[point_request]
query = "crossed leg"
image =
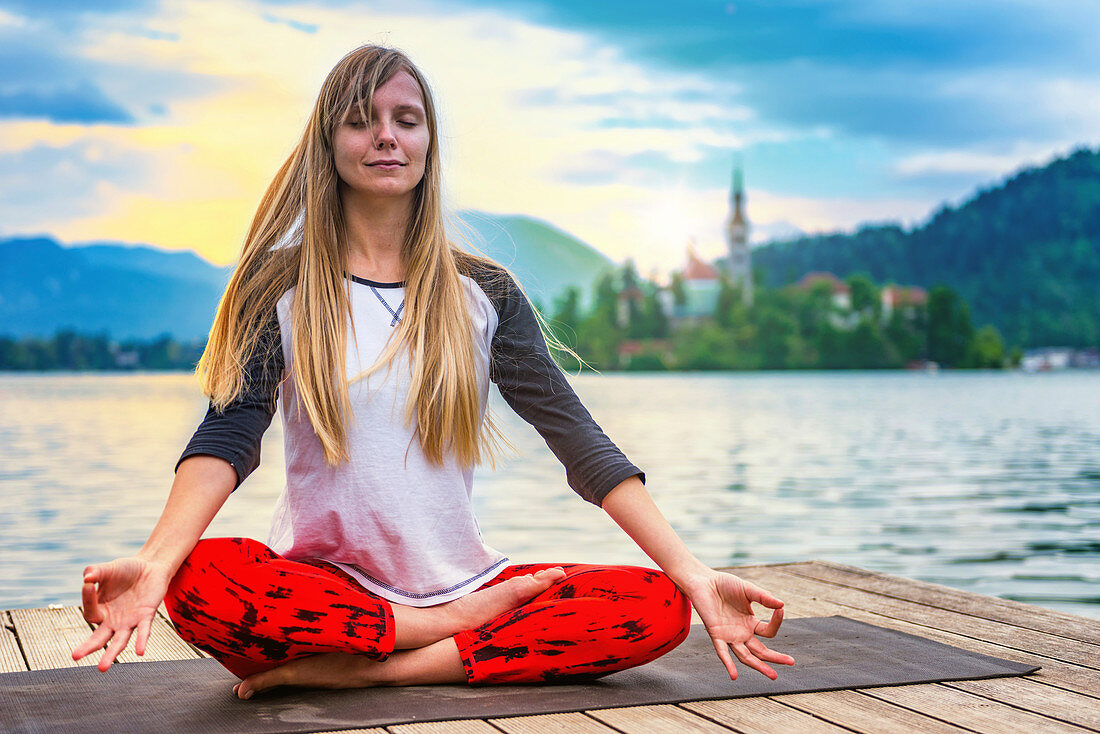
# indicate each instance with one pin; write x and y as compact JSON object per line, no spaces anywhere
{"x":275,"y":622}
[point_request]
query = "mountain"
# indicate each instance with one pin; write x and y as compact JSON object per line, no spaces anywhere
{"x":543,"y":258}
{"x":1025,"y":253}
{"x":137,"y":291}
{"x":127,"y":291}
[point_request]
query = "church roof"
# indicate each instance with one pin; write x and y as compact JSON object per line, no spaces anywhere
{"x":896,"y":295}
{"x":698,"y":270}
{"x":809,"y":280}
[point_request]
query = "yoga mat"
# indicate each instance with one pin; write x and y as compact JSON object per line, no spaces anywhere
{"x":196,"y":695}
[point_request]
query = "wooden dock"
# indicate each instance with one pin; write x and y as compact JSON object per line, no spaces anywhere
{"x":1062,"y":697}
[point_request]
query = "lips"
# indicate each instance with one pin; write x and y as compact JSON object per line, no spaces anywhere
{"x":386,"y":163}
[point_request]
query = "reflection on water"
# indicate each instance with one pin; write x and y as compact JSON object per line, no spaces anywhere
{"x":987,"y":482}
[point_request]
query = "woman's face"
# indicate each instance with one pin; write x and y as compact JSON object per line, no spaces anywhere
{"x":388,"y":161}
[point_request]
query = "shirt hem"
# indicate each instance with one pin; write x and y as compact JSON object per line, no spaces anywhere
{"x":421,"y":599}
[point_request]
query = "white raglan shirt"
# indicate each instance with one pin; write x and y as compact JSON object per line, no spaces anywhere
{"x":403,"y":528}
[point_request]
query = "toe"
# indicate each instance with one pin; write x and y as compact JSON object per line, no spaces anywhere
{"x":256,"y":683}
{"x":548,"y":576}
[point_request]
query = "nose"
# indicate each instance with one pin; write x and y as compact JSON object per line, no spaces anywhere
{"x":384,"y":137}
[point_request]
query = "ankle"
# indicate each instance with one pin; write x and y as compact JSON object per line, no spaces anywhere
{"x":420,"y":626}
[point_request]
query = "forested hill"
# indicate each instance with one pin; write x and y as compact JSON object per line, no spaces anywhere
{"x":140,"y":292}
{"x":1025,"y":254}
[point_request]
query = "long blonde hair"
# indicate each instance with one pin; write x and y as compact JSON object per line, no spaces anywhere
{"x":297,"y":239}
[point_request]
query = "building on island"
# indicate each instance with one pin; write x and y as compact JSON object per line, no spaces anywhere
{"x":841,"y":316}
{"x":694,"y":291}
{"x":739,"y":263}
{"x":906,"y":300}
{"x":841,"y":293}
{"x":693,"y":295}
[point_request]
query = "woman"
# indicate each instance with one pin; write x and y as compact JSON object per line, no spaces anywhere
{"x":378,"y":339}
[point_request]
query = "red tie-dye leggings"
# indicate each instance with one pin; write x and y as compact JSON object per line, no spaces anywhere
{"x":252,"y":610}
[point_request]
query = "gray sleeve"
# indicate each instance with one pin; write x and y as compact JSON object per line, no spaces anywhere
{"x":531,"y":382}
{"x":235,"y":433}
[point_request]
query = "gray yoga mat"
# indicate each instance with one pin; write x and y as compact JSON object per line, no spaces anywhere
{"x":196,"y":695}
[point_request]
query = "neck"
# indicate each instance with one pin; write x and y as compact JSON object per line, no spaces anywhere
{"x":375,"y":230}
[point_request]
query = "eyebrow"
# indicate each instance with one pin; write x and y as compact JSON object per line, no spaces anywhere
{"x":398,"y":109}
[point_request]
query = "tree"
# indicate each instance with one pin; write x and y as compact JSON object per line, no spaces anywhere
{"x":950,"y":329}
{"x":652,"y":321}
{"x":565,"y":324}
{"x":567,"y":315}
{"x":987,"y":350}
{"x":865,"y":295}
{"x":606,"y":304}
{"x":777,"y":330}
{"x":704,"y":347}
{"x":868,"y":348}
{"x":679,"y":292}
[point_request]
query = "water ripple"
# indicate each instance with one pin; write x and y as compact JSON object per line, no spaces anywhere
{"x":986,"y":482}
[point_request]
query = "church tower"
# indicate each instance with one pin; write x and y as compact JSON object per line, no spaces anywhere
{"x":737,"y":238}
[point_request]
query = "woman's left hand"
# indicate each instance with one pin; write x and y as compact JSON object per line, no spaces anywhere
{"x":724,"y":602}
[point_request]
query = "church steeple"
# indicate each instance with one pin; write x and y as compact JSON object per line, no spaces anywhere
{"x":737,"y":236}
{"x":737,"y":195}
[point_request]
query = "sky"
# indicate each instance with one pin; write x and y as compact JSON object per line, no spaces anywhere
{"x":162,"y":121}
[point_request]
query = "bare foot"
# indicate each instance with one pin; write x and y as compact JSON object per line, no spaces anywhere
{"x":474,"y":610}
{"x":438,"y":663}
{"x":328,"y":670}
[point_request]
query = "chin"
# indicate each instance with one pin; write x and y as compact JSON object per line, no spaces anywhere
{"x":381,"y":191}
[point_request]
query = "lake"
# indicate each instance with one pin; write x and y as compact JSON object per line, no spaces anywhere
{"x":983,"y":481}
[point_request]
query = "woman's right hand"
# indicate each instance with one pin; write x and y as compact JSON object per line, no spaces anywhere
{"x":121,"y":596}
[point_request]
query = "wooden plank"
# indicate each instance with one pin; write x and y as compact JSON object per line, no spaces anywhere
{"x":853,"y":710}
{"x":49,"y":636}
{"x":798,"y":604}
{"x":661,"y":719}
{"x":970,"y":711}
{"x":762,"y":716}
{"x":162,"y":612}
{"x":1017,"y":638}
{"x":11,"y":657}
{"x":992,"y":608}
{"x":164,"y":644}
{"x":467,"y":726}
{"x":1026,"y":694}
{"x":551,"y":724}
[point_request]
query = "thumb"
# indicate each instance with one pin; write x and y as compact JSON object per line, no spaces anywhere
{"x":760,"y":596}
{"x":90,"y":604}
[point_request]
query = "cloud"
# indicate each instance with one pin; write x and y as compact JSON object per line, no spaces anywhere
{"x":290,"y":23}
{"x":883,"y":68}
{"x":83,"y":102}
{"x":54,"y":73}
{"x":63,"y":8}
{"x":82,"y":174}
{"x":614,"y":121}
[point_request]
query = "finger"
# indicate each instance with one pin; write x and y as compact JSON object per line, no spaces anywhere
{"x":745,"y":656}
{"x":723,"y":651}
{"x":144,"y":627}
{"x":771,"y":627}
{"x":95,"y":641}
{"x":760,"y":596}
{"x":92,"y":574}
{"x":118,"y":644}
{"x":90,"y":602}
{"x":760,"y":650}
